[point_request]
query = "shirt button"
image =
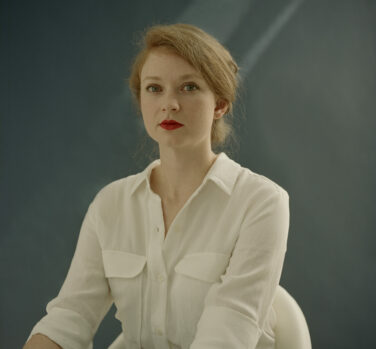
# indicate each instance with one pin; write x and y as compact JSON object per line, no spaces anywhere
{"x":161,"y":277}
{"x":159,"y":332}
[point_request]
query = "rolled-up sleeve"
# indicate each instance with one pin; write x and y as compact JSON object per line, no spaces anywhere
{"x":236,"y":308}
{"x":73,"y":317}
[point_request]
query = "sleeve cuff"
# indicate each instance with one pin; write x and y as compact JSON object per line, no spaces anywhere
{"x":65,"y":327}
{"x":224,"y":328}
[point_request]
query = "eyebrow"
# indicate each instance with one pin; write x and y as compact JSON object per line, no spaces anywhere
{"x":182,"y":77}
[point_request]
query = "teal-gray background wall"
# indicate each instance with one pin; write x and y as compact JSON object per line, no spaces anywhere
{"x":305,"y":119}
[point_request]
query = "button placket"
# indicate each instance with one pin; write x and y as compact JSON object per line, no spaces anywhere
{"x":158,"y":273}
{"x":159,"y":286}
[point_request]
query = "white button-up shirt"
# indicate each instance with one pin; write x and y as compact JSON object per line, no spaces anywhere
{"x":209,"y":284}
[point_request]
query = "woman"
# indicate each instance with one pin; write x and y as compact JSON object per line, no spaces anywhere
{"x":191,"y":249}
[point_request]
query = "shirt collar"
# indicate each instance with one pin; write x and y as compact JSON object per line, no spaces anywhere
{"x":223,"y":172}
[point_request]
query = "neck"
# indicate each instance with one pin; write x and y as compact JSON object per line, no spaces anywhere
{"x":179,"y":175}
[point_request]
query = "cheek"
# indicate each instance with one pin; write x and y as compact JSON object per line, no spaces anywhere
{"x":201,"y":108}
{"x":146,"y":104}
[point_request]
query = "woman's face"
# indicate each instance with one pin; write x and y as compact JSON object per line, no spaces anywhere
{"x":173,"y":89}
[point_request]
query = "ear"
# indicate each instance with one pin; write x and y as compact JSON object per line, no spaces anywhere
{"x":220,"y":109}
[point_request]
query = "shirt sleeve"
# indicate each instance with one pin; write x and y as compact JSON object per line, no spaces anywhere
{"x":236,"y":308}
{"x":73,"y":317}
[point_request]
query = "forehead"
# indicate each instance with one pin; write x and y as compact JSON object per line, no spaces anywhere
{"x":162,"y":61}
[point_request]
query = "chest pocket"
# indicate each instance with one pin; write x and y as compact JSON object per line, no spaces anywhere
{"x":204,"y":266}
{"x":124,"y":272}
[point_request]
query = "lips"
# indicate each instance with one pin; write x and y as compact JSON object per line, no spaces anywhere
{"x":170,"y":122}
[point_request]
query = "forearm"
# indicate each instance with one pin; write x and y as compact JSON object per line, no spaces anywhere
{"x":40,"y":341}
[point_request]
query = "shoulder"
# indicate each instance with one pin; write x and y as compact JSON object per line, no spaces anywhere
{"x":257,"y":197}
{"x":115,"y":192}
{"x":259,"y":186}
{"x":265,"y":207}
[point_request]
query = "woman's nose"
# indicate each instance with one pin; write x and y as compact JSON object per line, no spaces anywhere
{"x":170,"y":103}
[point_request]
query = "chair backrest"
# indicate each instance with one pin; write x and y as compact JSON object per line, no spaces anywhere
{"x":291,"y":330}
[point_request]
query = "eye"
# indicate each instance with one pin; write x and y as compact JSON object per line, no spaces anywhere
{"x":191,"y":86}
{"x":152,"y":88}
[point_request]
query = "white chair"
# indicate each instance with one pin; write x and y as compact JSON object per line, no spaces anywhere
{"x":291,"y":330}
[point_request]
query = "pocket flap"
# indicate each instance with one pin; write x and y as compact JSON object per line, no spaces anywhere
{"x":122,"y":264}
{"x":207,"y":266}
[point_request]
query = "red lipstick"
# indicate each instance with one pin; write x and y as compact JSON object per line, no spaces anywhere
{"x":170,"y":124}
